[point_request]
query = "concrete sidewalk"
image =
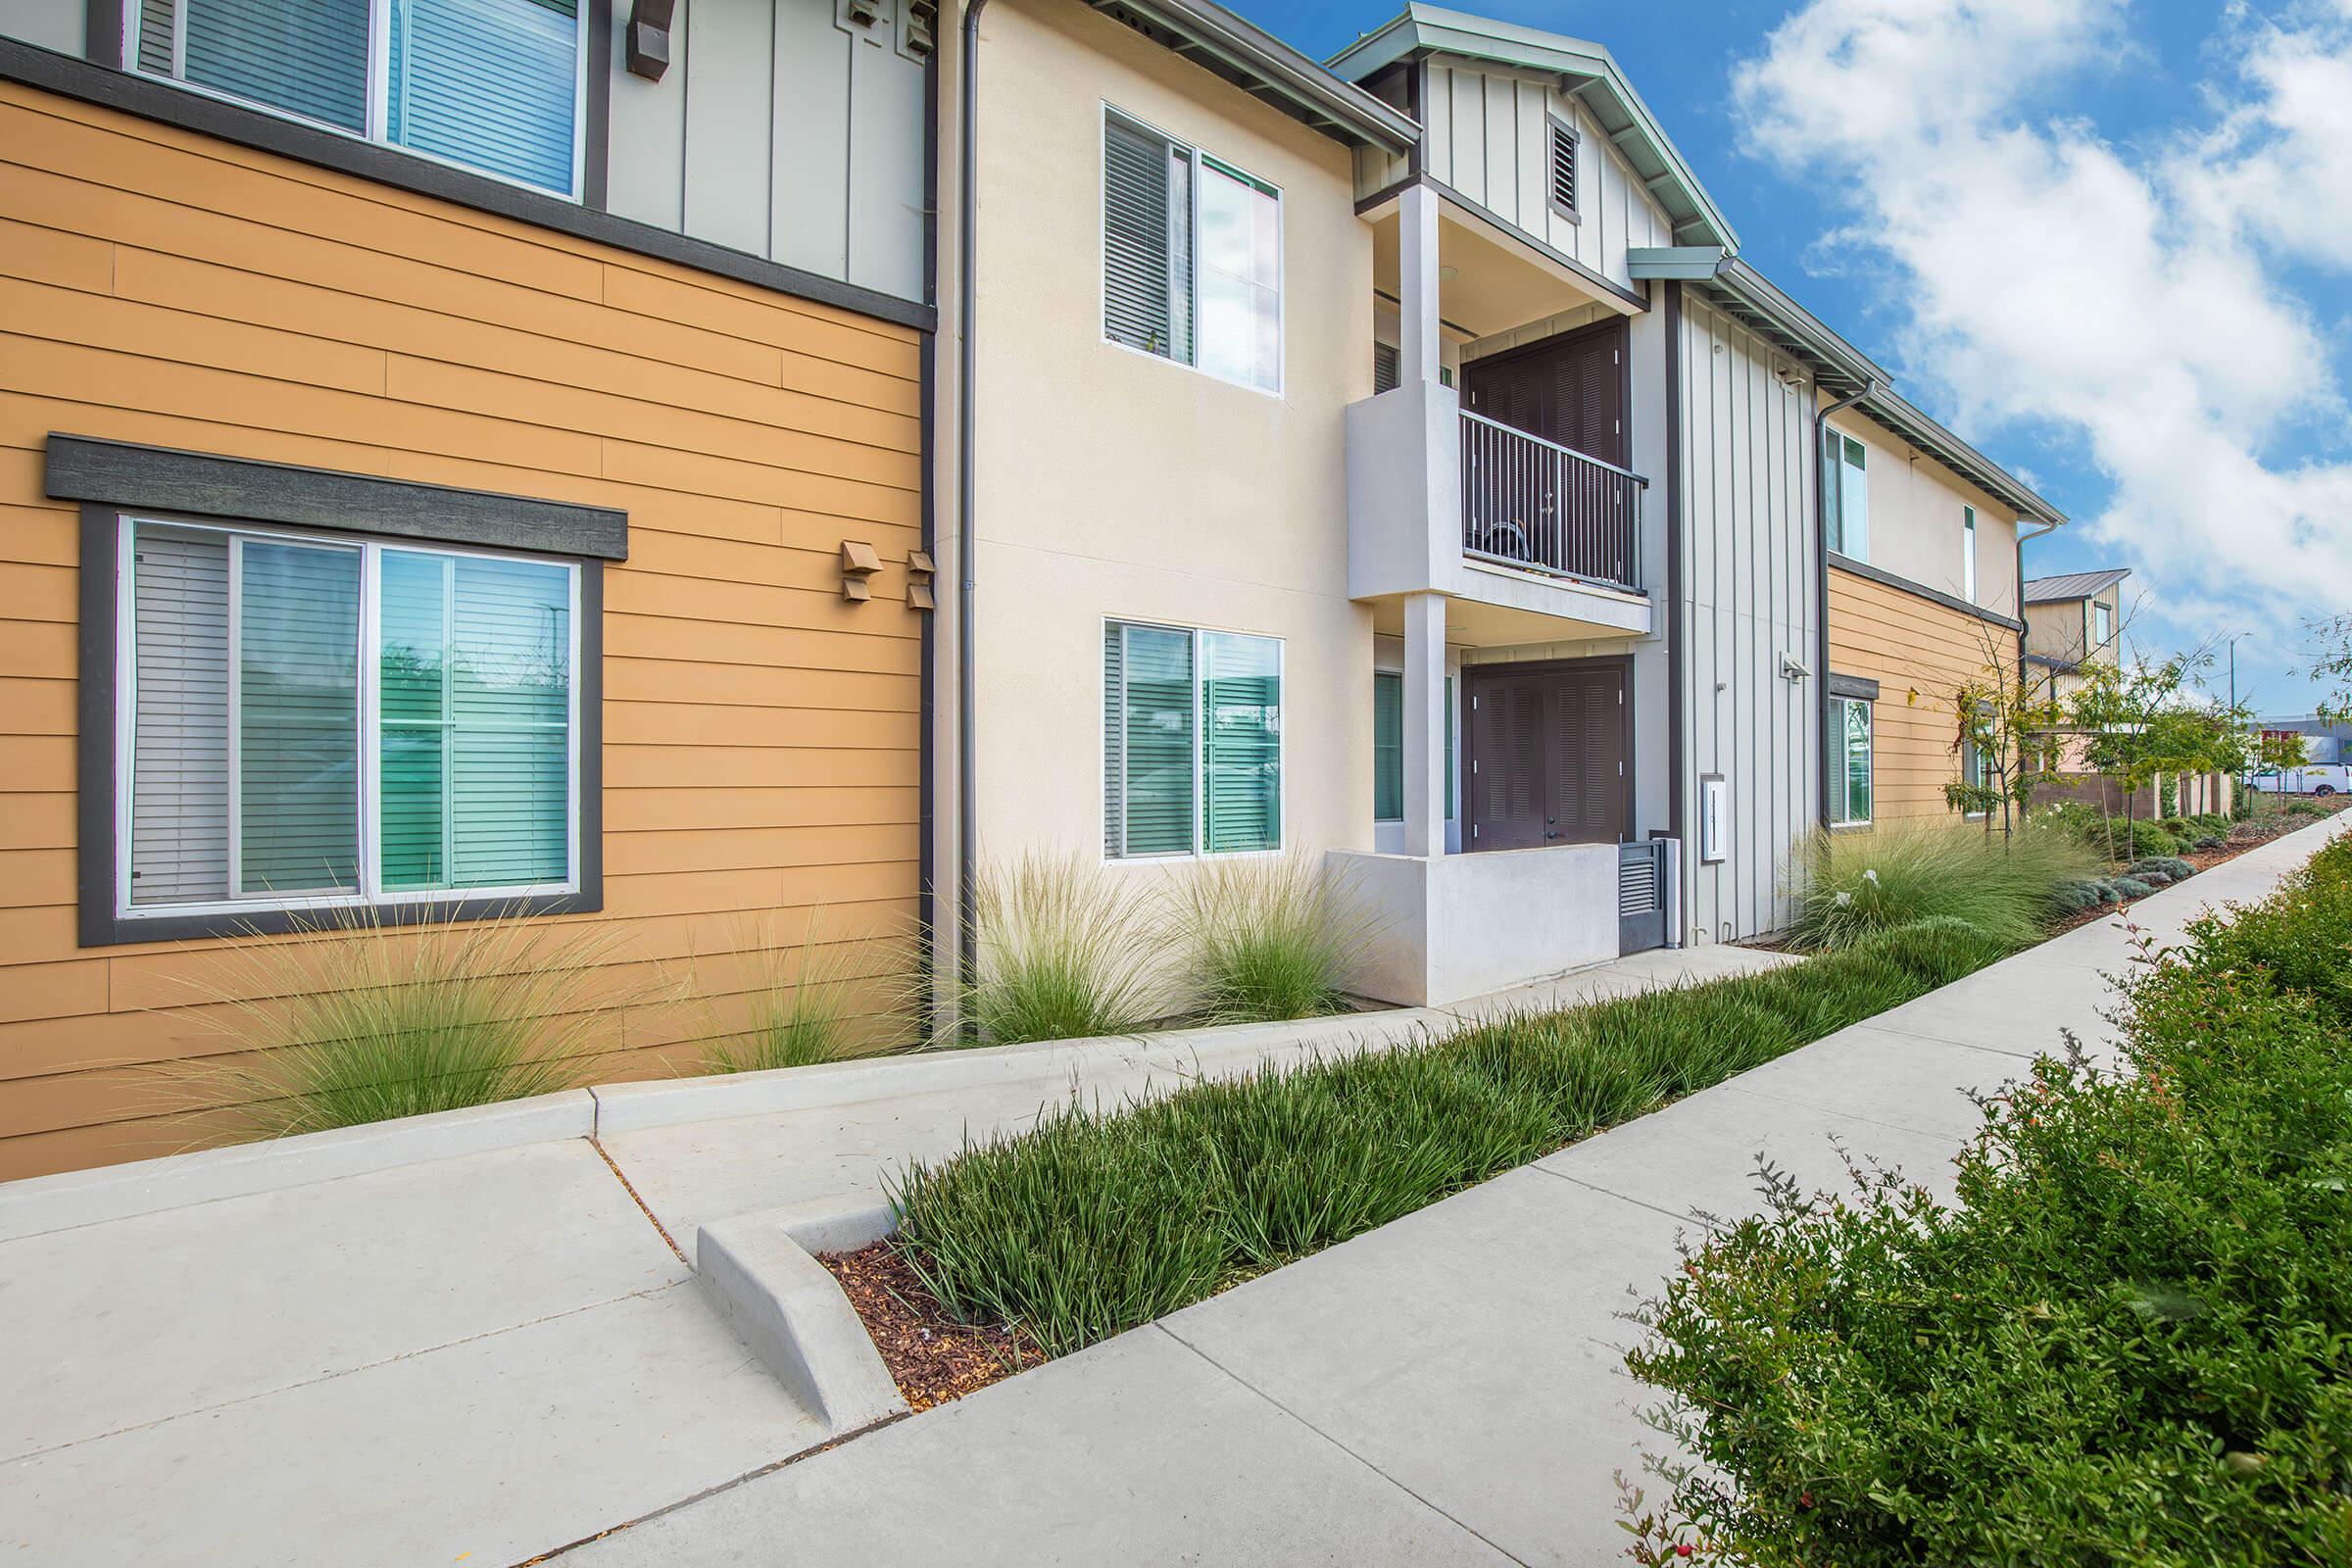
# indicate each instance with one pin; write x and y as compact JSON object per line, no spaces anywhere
{"x":485,"y":1358}
{"x":1450,"y":1387}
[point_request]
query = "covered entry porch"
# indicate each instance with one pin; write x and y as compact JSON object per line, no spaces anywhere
{"x":1507,"y":827}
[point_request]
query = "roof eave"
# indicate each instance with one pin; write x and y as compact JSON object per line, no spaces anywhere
{"x":1595,"y":76}
{"x":1262,"y":65}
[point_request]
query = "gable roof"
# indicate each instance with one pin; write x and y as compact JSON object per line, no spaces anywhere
{"x":1592,"y":75}
{"x":2071,"y":585}
{"x":1264,"y":66}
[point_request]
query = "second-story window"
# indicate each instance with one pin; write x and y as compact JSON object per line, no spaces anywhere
{"x":1192,"y":257}
{"x":1968,"y":554}
{"x":1845,"y":496}
{"x":2102,"y":626}
{"x":493,"y":85}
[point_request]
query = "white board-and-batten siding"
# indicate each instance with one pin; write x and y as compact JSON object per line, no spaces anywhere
{"x":1748,"y":602}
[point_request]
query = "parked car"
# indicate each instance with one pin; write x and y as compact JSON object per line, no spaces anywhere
{"x":2313,"y":778}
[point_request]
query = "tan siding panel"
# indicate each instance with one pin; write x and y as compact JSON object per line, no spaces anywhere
{"x":1919,"y":653}
{"x":761,"y":740}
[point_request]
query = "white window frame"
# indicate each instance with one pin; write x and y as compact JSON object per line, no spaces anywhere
{"x":370,"y":893}
{"x":1845,"y":474}
{"x":1282,"y":260}
{"x":1968,"y":554}
{"x":1282,"y":743}
{"x":1841,"y":798}
{"x":380,"y":94}
{"x":2101,"y":616}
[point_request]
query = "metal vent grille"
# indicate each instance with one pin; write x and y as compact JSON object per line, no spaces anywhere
{"x":1638,"y":890}
{"x":1563,"y":168}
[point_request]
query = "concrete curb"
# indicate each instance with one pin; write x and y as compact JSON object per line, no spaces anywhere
{"x":637,"y":1107}
{"x":41,"y":1203}
{"x":790,"y":1311}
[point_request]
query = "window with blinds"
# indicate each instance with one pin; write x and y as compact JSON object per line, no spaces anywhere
{"x":1191,"y":753}
{"x":1388,"y":747}
{"x":272,"y":760}
{"x":1192,"y":257}
{"x":494,"y":85}
{"x":1850,"y":761}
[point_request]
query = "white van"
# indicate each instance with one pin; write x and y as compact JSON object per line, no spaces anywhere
{"x":2313,"y":778}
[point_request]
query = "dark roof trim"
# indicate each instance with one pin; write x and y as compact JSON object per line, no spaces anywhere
{"x":1590,"y":71}
{"x":1839,"y":369}
{"x":1263,"y":65}
{"x":165,"y":104}
{"x":1920,"y":590}
{"x":120,"y":473}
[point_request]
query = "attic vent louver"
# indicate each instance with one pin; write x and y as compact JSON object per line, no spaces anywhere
{"x":1562,"y":192}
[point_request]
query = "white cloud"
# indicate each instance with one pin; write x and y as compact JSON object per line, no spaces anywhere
{"x":2133,"y":304}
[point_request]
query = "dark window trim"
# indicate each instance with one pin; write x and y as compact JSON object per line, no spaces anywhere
{"x":101,"y":926}
{"x":127,"y":475}
{"x":161,"y":101}
{"x":1860,"y":687}
{"x":1920,"y":590}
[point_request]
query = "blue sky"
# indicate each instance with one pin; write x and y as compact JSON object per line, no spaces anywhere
{"x":2109,"y":242}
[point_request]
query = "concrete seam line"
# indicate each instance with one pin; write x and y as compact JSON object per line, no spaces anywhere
{"x":651,"y":1218}
{"x":1161,"y":1324}
{"x":1691,"y":1217}
{"x":344,"y":1372}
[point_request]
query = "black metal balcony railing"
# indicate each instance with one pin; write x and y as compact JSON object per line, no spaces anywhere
{"x":1535,"y":504}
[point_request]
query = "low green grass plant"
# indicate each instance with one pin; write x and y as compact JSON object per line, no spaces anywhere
{"x":1103,"y":1218}
{"x":1848,"y":886}
{"x":1063,"y":955}
{"x":803,"y":1003}
{"x":2126,"y":1342}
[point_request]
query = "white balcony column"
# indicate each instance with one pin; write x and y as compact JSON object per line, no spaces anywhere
{"x":1425,"y":724}
{"x":1418,"y":284}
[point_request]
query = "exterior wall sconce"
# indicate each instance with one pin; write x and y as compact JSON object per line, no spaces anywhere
{"x":649,"y":37}
{"x":920,"y":570}
{"x":857,"y":562}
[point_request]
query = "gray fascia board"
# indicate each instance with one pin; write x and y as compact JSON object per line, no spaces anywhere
{"x":1752,"y":289}
{"x":1429,"y":29}
{"x":1687,"y":262}
{"x":1315,"y":92}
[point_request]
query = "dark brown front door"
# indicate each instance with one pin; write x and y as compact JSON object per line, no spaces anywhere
{"x":1548,"y":753}
{"x":1570,"y":389}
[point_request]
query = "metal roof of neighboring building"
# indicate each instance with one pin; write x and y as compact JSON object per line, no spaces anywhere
{"x":1592,"y":75}
{"x":2071,"y":585}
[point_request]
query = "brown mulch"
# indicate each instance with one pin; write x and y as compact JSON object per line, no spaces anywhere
{"x":2252,"y":833}
{"x":933,"y":1356}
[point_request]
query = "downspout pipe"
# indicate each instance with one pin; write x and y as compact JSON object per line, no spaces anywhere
{"x":967,"y":576}
{"x":1821,"y":594}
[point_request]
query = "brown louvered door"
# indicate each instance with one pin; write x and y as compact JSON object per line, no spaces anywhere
{"x":1548,"y":753}
{"x":1569,"y":389}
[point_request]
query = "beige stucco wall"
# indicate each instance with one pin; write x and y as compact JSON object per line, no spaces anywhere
{"x":1114,"y":484}
{"x":1915,"y":518}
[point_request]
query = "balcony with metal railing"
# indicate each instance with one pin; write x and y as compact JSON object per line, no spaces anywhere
{"x":1541,"y":506}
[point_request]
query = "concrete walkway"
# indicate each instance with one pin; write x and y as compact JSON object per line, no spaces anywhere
{"x":1447,"y":1389}
{"x":485,"y":1358}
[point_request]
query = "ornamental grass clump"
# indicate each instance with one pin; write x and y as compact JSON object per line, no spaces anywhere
{"x":1848,"y":886}
{"x":1062,"y":954}
{"x":1270,"y":937}
{"x":2125,"y":1343}
{"x":803,"y":1003}
{"x":352,"y":1020}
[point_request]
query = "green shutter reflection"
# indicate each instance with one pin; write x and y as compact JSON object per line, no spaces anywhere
{"x":297,"y":714}
{"x":1158,"y":710}
{"x":1388,"y":746}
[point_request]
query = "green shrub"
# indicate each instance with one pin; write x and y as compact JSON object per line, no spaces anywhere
{"x":2126,"y":1343}
{"x":2155,"y":879}
{"x":2130,"y":887}
{"x":352,"y":1020}
{"x":2173,"y":867}
{"x":1851,"y":884}
{"x":803,"y":1001}
{"x":2146,"y":839}
{"x":2306,"y":808}
{"x":1267,"y":938}
{"x":2211,"y":841}
{"x":2078,"y":893}
{"x":1098,"y":1221}
{"x":1063,"y":948}
{"x":2178,"y":826}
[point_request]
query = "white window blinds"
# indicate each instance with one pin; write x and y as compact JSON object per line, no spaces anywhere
{"x":179,"y":719}
{"x":1192,"y":257}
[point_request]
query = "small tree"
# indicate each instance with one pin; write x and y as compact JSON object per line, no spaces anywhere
{"x":2330,"y":663}
{"x":2144,"y":720}
{"x":2008,"y":733}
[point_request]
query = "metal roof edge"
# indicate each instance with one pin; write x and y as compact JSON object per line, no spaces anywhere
{"x":1890,"y":409}
{"x":1317,"y":95}
{"x":1475,"y":37}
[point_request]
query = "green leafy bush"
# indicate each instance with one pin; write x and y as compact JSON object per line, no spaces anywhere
{"x":1098,"y":1220}
{"x":2126,"y":1345}
{"x":2178,"y":827}
{"x":1851,"y":884}
{"x":2147,"y":838}
{"x":2130,"y":887}
{"x":2078,"y":893}
{"x":2306,"y":808}
{"x":1270,"y":937}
